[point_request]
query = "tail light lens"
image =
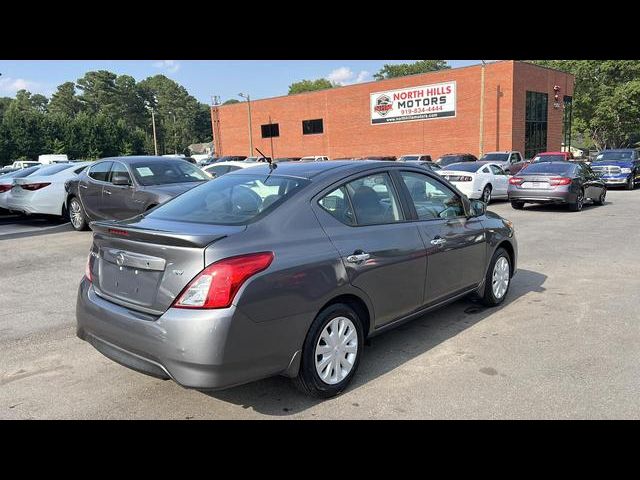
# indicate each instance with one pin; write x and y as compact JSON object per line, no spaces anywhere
{"x":34,"y":186}
{"x":559,"y":181}
{"x":516,"y":180}
{"x":5,"y":188}
{"x":217,"y":285}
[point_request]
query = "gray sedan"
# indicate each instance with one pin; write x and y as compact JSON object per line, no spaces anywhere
{"x":286,"y":270}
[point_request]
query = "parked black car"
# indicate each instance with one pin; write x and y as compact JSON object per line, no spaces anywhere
{"x":569,"y":183}
{"x":123,"y":187}
{"x":449,"y":158}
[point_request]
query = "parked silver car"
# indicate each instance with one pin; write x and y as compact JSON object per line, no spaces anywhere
{"x":286,"y":270}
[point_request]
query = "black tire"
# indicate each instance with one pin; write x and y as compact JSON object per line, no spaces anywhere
{"x":489,"y":298}
{"x":631,"y":184}
{"x":486,"y":194}
{"x":579,"y":203}
{"x":80,"y":223}
{"x":308,"y":380}
{"x":601,"y":199}
{"x":517,"y":205}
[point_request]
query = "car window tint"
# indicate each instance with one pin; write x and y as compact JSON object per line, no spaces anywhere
{"x":496,"y":170}
{"x":100,"y":171}
{"x":120,"y":170}
{"x":373,"y":200}
{"x":431,"y":198}
{"x":337,"y":204}
{"x":162,"y":172}
{"x":218,"y":170}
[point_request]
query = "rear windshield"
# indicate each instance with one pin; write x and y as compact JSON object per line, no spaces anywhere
{"x":464,"y":166}
{"x":495,"y":157}
{"x":447,"y":160}
{"x":230,"y":199}
{"x":410,"y":158}
{"x":53,"y":169}
{"x":550,"y":168}
{"x":162,"y":172}
{"x":25,"y":172}
{"x":549,"y":158}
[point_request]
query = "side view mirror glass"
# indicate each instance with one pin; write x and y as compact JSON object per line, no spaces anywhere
{"x":477,"y":208}
{"x":120,"y":180}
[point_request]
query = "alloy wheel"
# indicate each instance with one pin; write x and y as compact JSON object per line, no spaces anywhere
{"x":336,"y":350}
{"x":500,"y":277}
{"x":486,"y":195}
{"x":75,"y":213}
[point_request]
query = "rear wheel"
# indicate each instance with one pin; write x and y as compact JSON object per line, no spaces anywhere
{"x":631,"y":184}
{"x":498,"y":278}
{"x":77,"y":217}
{"x":579,"y":203}
{"x":486,"y":194}
{"x":331,"y":352}
{"x":517,"y":205}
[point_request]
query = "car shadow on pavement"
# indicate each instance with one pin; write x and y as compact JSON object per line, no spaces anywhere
{"x":277,"y":396}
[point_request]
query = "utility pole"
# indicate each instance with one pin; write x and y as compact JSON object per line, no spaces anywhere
{"x":482,"y":71}
{"x":155,"y":139}
{"x":248,"y":97}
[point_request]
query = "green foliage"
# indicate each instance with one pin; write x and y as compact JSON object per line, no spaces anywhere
{"x":231,"y":101}
{"x":100,"y":115}
{"x":404,"y":69}
{"x":606,"y":100}
{"x":309,"y":86}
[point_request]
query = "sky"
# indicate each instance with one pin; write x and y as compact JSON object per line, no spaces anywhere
{"x":201,"y":78}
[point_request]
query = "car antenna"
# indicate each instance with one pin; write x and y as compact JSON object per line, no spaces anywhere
{"x":272,"y":166}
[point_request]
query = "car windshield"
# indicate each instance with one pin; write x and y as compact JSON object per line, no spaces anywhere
{"x":53,"y":169}
{"x":409,"y":158}
{"x":161,"y":172}
{"x":495,"y":157}
{"x":548,"y":158}
{"x":613,"y":155}
{"x":234,"y":199}
{"x":546,"y":168}
{"x":464,"y":166}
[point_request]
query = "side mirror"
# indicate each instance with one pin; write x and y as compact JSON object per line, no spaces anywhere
{"x":477,"y":208}
{"x":122,"y":180}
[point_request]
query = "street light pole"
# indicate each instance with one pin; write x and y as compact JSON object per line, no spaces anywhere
{"x":248,"y":97}
{"x":155,"y":139}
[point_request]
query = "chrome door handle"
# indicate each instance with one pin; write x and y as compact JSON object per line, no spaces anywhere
{"x":107,"y":192}
{"x":358,"y":257}
{"x":83,"y":186}
{"x":438,"y":241}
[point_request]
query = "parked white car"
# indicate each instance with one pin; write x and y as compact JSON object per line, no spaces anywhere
{"x":218,"y":169}
{"x":50,"y":158}
{"x":43,"y":191}
{"x":314,"y":159}
{"x":6,"y":182}
{"x":24,"y":164}
{"x":478,"y":180}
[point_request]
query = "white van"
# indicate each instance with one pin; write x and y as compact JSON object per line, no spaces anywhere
{"x":52,"y":158}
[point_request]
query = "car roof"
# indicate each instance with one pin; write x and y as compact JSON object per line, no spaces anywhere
{"x":552,"y":153}
{"x":314,"y":169}
{"x":233,"y":163}
{"x":147,"y":158}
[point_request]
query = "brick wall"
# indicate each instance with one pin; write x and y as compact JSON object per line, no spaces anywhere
{"x":348,"y":131}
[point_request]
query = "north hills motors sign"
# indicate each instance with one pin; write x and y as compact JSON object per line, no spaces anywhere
{"x":414,"y":103}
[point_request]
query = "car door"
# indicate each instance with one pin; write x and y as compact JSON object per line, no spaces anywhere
{"x":501,"y":181}
{"x":456,"y":245}
{"x":382,"y":252}
{"x":119,"y":201}
{"x":90,"y":188}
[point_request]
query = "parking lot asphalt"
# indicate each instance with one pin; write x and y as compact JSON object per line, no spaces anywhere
{"x":565,"y":344}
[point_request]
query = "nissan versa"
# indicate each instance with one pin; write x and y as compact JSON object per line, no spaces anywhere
{"x":286,"y":270}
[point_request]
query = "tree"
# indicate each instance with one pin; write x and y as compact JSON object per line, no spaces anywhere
{"x":404,"y":69}
{"x":606,"y":101}
{"x":231,"y":101}
{"x":64,"y":101}
{"x":309,"y":86}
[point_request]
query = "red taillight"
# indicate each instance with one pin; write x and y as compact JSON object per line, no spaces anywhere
{"x":217,"y":284}
{"x":516,"y":180}
{"x":117,"y":231}
{"x":559,"y":181}
{"x":33,"y":186}
{"x":5,"y":188}
{"x":87,"y":269}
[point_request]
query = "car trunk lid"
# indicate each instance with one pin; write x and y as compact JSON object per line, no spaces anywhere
{"x":144,"y":264}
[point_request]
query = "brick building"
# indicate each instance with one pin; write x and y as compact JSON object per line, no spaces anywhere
{"x":526,"y":108}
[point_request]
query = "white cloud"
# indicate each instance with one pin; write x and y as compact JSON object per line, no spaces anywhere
{"x":170,"y":66}
{"x":346,"y":76}
{"x":10,"y":85}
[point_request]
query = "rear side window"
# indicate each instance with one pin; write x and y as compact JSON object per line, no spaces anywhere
{"x":229,"y":199}
{"x":100,"y":171}
{"x":337,"y":203}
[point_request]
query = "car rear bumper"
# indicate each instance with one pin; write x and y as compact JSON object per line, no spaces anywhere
{"x":203,"y":349}
{"x":541,"y":196}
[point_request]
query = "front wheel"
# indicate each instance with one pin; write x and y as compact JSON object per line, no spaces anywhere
{"x":331,"y":352}
{"x":498,"y":278}
{"x":631,"y":184}
{"x":77,"y":217}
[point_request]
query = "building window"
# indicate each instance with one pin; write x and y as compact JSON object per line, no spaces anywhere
{"x":535,"y":130}
{"x":270,"y":130}
{"x":312,"y":127}
{"x":567,"y":115}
